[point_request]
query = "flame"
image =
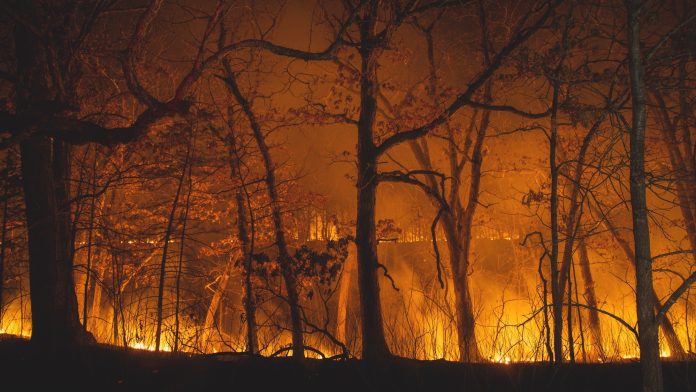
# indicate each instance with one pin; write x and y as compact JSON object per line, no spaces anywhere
{"x":502,"y":359}
{"x":502,"y":344}
{"x":419,"y":319}
{"x":149,"y":347}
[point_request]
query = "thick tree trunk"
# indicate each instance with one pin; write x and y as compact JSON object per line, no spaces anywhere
{"x":55,"y":318}
{"x":45,"y":171}
{"x":651,"y":368}
{"x":374,"y":344}
{"x":467,"y":341}
{"x":466,"y":322}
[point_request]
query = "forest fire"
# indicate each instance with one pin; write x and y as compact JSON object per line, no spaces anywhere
{"x":509,"y":329}
{"x":491,"y":185}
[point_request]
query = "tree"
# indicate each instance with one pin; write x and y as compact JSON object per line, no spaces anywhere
{"x":45,"y":163}
{"x":651,"y":368}
{"x":456,"y":218}
{"x":49,"y":113}
{"x":370,"y":42}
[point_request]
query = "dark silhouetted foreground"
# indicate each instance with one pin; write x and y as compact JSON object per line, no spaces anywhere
{"x":102,"y":368}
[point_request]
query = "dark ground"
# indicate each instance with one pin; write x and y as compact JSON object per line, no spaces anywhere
{"x":104,"y":369}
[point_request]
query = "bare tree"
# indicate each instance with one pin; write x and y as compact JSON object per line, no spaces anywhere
{"x":649,"y":347}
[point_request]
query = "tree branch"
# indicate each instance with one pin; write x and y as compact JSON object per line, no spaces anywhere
{"x":407,"y":178}
{"x":76,"y":131}
{"x":465,"y":98}
{"x":675,"y":296}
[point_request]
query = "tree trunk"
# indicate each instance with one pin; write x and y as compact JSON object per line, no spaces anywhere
{"x":3,"y":237}
{"x":572,"y":226}
{"x":88,"y":263}
{"x":215,"y":304}
{"x":182,"y":239}
{"x":245,"y":234}
{"x":675,"y":347}
{"x":344,"y":295}
{"x":591,"y":298}
{"x":95,"y":312}
{"x":456,"y":220}
{"x":556,"y":295}
{"x":249,"y":299}
{"x":374,"y":344}
{"x":572,"y":221}
{"x":467,"y":341}
{"x":284,"y":258}
{"x":55,"y":318}
{"x":45,"y":170}
{"x":651,"y":368}
{"x":466,"y":322}
{"x":165,"y":247}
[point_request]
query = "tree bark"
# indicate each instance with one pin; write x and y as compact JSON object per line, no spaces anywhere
{"x":466,"y":322}
{"x":374,"y":344}
{"x":651,"y":368}
{"x":45,"y":172}
{"x":55,"y":319}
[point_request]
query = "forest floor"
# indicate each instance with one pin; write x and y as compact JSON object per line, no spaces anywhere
{"x":104,"y":368}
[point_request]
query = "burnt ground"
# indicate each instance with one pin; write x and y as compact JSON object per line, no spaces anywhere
{"x":104,"y":368}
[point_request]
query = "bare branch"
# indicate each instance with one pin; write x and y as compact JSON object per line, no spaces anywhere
{"x":675,"y":296}
{"x":465,"y":98}
{"x":133,"y":51}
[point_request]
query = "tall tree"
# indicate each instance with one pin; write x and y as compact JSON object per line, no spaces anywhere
{"x":371,"y":41}
{"x":284,"y":257}
{"x":651,"y":369}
